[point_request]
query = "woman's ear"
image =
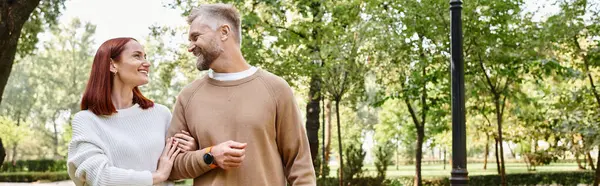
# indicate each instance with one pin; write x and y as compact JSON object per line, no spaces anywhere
{"x":113,"y":66}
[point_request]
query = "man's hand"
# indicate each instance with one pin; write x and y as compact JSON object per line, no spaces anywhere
{"x":229,"y":154}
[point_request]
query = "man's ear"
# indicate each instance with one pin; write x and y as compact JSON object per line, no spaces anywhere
{"x":225,"y":32}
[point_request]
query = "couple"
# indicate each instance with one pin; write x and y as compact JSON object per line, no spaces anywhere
{"x":238,"y":125}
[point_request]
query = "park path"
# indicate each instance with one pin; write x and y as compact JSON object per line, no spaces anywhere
{"x":60,"y":183}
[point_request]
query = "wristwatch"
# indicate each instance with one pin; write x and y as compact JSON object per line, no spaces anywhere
{"x":209,"y":159}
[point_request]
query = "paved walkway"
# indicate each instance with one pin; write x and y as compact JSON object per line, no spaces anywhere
{"x":60,"y":183}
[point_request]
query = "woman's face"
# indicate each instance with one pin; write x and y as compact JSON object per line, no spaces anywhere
{"x":132,"y":67}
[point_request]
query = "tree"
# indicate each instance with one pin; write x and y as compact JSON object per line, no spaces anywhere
{"x":343,"y":65}
{"x":412,"y":41}
{"x":171,"y":65}
{"x":19,"y":100}
{"x":499,"y":50}
{"x":20,"y":22}
{"x":57,"y":75}
{"x":577,"y":30}
{"x":67,"y":54}
{"x":12,"y":133}
{"x":480,"y":112}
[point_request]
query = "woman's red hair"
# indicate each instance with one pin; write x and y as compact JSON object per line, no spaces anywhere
{"x":97,"y":96}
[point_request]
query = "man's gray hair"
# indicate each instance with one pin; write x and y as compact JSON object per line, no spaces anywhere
{"x":222,"y":13}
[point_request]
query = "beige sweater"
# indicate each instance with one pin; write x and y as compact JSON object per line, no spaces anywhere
{"x":259,"y":110}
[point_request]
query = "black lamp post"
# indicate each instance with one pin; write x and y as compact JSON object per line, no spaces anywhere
{"x":459,"y":174}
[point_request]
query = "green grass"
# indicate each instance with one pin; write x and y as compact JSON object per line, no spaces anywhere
{"x":436,"y":170}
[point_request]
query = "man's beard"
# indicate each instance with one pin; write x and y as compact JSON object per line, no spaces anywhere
{"x":207,"y":56}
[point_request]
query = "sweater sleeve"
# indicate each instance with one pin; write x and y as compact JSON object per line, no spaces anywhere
{"x":292,"y":141}
{"x":189,"y":164}
{"x":88,"y":164}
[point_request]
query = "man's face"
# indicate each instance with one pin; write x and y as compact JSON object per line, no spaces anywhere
{"x":204,"y":43}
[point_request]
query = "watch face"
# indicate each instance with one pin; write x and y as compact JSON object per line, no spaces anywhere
{"x":208,"y":158}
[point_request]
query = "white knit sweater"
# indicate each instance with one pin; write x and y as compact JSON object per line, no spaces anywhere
{"x":121,"y":149}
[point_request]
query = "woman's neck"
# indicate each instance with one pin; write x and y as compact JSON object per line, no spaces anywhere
{"x":122,"y":96}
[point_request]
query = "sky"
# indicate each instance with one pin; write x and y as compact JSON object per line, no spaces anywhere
{"x":121,"y":18}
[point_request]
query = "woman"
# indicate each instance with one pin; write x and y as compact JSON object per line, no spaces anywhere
{"x":119,"y":136}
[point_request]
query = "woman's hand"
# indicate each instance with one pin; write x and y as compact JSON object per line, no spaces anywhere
{"x":165,"y":162}
{"x":186,"y":141}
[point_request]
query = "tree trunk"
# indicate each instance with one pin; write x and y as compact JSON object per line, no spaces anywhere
{"x":337,"y":115}
{"x":397,"y":156}
{"x":487,"y":150}
{"x":591,"y":161}
{"x":420,"y":126}
{"x":420,"y":133}
{"x":512,"y":152}
{"x":55,"y":140}
{"x":578,"y":160}
{"x":499,"y":119}
{"x":444,"y":159}
{"x":497,"y":156}
{"x":420,"y":137}
{"x":314,"y":93}
{"x":323,"y":162}
{"x":440,"y":152}
{"x":2,"y":153}
{"x":327,"y":130}
{"x":597,"y":179}
{"x":313,"y":109}
{"x":577,"y":149}
{"x":13,"y":15}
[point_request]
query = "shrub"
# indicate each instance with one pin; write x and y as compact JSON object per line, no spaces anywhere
{"x":383,"y":158}
{"x":538,"y":158}
{"x":353,"y":167}
{"x":540,"y":178}
{"x":526,"y":179}
{"x":33,"y":176}
{"x":35,"y":166}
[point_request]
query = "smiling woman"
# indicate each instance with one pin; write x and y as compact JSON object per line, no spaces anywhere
{"x":119,"y":135}
{"x":118,"y":62}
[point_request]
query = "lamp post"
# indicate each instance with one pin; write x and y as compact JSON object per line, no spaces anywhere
{"x":459,"y":174}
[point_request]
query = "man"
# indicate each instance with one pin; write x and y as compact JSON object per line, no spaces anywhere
{"x":239,"y":102}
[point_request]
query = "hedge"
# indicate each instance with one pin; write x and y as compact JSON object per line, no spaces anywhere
{"x":524,"y":179}
{"x":35,"y":166}
{"x":33,"y":176}
{"x":521,"y":179}
{"x":543,"y":178}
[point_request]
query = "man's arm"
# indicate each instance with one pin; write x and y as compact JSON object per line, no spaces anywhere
{"x":189,"y":164}
{"x":292,"y":141}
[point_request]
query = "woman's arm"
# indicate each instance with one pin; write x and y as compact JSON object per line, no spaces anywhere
{"x":87,"y":162}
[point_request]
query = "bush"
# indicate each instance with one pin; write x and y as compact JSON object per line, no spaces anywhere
{"x":33,"y":176}
{"x":526,"y":179}
{"x":538,"y":158}
{"x":35,"y":166}
{"x":383,"y":158}
{"x":353,"y":164}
